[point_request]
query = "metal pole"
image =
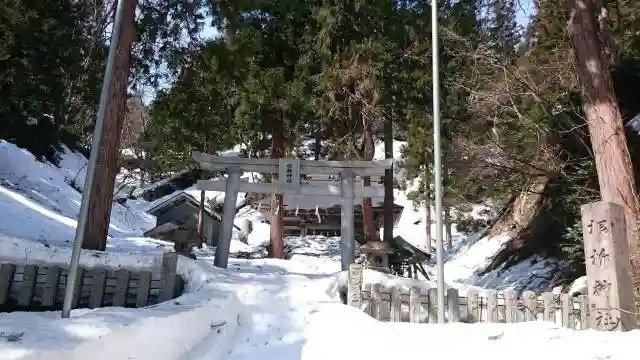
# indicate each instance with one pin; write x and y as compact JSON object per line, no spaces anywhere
{"x":437,"y":160}
{"x":91,"y":167}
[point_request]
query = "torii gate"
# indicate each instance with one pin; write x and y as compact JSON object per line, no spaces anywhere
{"x":289,"y":171}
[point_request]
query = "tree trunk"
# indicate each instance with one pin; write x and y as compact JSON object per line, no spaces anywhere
{"x":427,"y":220}
{"x":367,"y":206}
{"x":615,"y":171}
{"x":527,"y":218}
{"x":318,"y":146}
{"x":95,"y":235}
{"x":447,"y":210}
{"x":388,"y":181}
{"x":201,"y":219}
{"x":276,"y":239}
{"x":447,"y":228}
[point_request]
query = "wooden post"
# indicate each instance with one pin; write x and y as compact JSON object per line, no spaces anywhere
{"x":427,"y":219}
{"x":453,"y":305}
{"x":246,"y":226}
{"x":169,"y":283}
{"x":99,"y":279}
{"x":388,"y":181}
{"x":346,"y":227}
{"x":201,"y":219}
{"x":447,"y":228}
{"x":447,"y":210}
{"x":608,"y":267}
{"x":354,"y":286}
{"x":221,"y":258}
{"x":6,"y":278}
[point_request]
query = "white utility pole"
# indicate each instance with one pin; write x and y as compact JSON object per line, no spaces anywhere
{"x":437,"y":159}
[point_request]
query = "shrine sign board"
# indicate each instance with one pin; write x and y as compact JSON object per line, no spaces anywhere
{"x":354,"y":286}
{"x":289,"y":174}
{"x":608,"y":267}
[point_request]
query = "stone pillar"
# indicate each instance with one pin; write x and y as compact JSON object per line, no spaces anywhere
{"x":608,"y":267}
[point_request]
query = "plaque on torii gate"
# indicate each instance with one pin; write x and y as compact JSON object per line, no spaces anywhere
{"x":289,"y":171}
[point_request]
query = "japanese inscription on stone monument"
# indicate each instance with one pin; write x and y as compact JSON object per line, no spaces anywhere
{"x":607,"y":261}
{"x":355,"y":285}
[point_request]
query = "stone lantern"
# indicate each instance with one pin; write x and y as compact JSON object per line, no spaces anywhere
{"x":376,"y":254}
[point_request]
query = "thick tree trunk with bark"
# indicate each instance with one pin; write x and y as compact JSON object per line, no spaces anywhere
{"x":448,"y":238}
{"x":201,"y":219}
{"x":276,"y":239}
{"x":367,"y":206}
{"x":95,"y":236}
{"x":447,"y":208}
{"x":613,"y":162}
{"x":317,"y":149}
{"x":388,"y":181}
{"x":615,"y":171}
{"x":427,"y":220}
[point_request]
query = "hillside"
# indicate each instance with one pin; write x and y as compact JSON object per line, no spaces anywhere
{"x":33,"y":192}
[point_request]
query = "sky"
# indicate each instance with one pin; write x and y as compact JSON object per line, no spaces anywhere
{"x":209,"y":31}
{"x":525,"y":9}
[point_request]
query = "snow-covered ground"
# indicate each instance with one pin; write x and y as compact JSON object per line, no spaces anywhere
{"x":255,"y":309}
{"x":293,"y":313}
{"x":39,"y":205}
{"x":38,"y":201}
{"x":470,"y":254}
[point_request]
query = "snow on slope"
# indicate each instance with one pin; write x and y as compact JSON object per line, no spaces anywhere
{"x":39,"y":194}
{"x":33,"y":192}
{"x":470,"y":254}
{"x":39,"y":205}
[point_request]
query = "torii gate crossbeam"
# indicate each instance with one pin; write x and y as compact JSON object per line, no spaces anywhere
{"x":289,"y":171}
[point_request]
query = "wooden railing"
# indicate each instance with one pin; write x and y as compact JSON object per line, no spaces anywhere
{"x":30,"y":287}
{"x":419,"y":304}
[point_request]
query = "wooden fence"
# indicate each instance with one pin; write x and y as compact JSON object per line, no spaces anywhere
{"x":419,"y":305}
{"x":39,"y":288}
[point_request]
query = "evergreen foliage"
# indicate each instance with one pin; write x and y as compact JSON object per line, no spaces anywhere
{"x":510,"y":94}
{"x":47,"y":86}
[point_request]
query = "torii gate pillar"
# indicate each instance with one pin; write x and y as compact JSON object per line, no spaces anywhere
{"x":223,"y":249}
{"x":348,"y":239}
{"x":290,"y":171}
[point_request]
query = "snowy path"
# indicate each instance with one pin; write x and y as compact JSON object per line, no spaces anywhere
{"x":290,"y":315}
{"x":295,"y":319}
{"x":281,"y":298}
{"x":277,"y":320}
